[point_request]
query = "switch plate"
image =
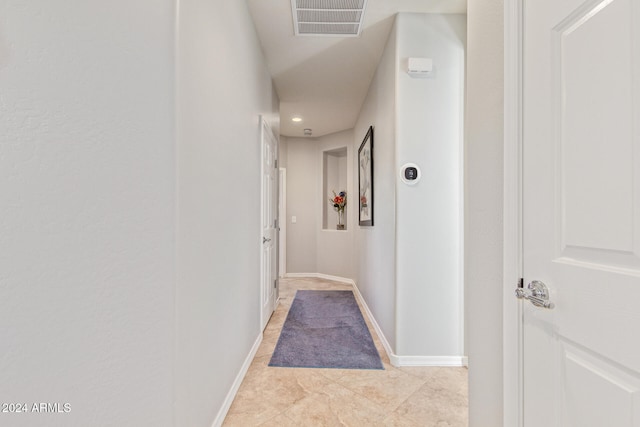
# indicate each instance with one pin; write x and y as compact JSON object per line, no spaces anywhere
{"x":293,"y":220}
{"x":419,"y":67}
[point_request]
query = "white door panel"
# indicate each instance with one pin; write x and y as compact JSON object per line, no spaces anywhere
{"x":597,"y":383}
{"x":595,"y":125}
{"x":581,"y":212}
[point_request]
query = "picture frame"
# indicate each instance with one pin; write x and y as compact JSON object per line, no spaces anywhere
{"x":365,"y":180}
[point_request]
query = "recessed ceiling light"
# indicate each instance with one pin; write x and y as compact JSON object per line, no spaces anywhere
{"x":296,"y":119}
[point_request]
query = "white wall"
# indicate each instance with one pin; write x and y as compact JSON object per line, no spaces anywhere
{"x":374,"y":247}
{"x":303,"y":203}
{"x":409,"y":262}
{"x":223,"y":88}
{"x":429,"y":213}
{"x":310,"y":248}
{"x":483,"y":215}
{"x":283,"y":152}
{"x":87,"y":210}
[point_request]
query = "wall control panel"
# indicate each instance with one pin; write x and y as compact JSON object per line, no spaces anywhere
{"x":410,"y":173}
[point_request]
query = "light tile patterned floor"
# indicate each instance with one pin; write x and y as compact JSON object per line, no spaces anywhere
{"x":417,"y":396}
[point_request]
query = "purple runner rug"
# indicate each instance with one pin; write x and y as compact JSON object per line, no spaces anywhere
{"x":325,"y":329}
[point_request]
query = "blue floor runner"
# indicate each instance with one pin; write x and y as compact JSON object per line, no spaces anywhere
{"x":325,"y":329}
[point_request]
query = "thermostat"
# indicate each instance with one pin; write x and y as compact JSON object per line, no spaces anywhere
{"x":410,"y":173}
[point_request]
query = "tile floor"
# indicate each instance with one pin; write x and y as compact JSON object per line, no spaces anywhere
{"x":416,"y":396}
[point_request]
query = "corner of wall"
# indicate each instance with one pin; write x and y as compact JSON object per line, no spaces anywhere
{"x":375,"y":246}
{"x":428,"y":214}
{"x":484,"y":210}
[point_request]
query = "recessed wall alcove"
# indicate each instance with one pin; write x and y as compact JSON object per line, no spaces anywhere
{"x":334,"y":178}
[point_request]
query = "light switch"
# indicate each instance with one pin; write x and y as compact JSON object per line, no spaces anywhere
{"x":293,"y":220}
{"x":419,"y":67}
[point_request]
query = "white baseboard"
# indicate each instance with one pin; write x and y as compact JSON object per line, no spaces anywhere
{"x":393,"y":358}
{"x":408,"y":360}
{"x":431,"y":361}
{"x":222,"y":413}
{"x":321,"y":276}
{"x":336,"y":279}
{"x":383,"y":339}
{"x":294,"y":275}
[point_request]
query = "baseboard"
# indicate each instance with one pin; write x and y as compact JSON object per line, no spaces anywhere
{"x":222,"y":413}
{"x":393,"y":359}
{"x":398,"y":361}
{"x":336,"y":279}
{"x":299,"y":275}
{"x":431,"y":361}
{"x":321,"y":276}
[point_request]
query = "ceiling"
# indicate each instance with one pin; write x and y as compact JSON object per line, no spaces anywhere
{"x":321,"y":79}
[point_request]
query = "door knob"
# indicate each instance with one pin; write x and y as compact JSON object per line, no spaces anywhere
{"x":536,"y":292}
{"x":265,"y":240}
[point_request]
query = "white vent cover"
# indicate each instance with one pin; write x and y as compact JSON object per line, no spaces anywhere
{"x":341,"y":18}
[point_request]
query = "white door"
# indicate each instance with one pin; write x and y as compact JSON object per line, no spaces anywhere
{"x":269,"y":254}
{"x":581,"y":212}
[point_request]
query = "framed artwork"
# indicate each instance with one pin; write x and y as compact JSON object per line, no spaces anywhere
{"x":365,"y":179}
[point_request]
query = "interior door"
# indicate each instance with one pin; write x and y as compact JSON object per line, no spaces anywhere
{"x":269,"y":255}
{"x":581,"y":213}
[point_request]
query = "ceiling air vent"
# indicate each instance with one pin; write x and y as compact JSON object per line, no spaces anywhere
{"x":342,"y":18}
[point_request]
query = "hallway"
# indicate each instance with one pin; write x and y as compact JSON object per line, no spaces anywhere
{"x":130,"y":168}
{"x":407,"y":396}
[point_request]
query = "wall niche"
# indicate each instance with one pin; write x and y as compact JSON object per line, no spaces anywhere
{"x":334,"y":178}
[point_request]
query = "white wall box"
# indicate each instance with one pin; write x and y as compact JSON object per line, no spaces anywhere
{"x":419,"y":67}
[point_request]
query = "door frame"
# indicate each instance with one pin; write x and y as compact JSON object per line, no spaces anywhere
{"x":512,"y":214}
{"x":282,"y":222}
{"x":265,"y":128}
